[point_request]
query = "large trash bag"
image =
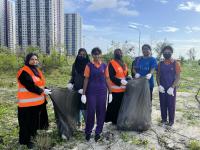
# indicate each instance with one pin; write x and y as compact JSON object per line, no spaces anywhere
{"x":135,"y":110}
{"x":66,"y":110}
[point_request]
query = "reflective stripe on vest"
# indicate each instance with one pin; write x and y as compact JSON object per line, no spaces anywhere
{"x":27,"y":98}
{"x":118,"y":87}
{"x":120,"y":74}
{"x":31,"y":99}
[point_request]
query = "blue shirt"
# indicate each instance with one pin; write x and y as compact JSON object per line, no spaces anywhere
{"x":143,"y":66}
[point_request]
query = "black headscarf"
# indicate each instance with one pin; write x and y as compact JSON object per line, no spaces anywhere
{"x":119,"y":58}
{"x":81,"y":62}
{"x":32,"y":67}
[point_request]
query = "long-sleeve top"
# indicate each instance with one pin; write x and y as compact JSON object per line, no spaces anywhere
{"x":76,"y":79}
{"x":112,"y":74}
{"x":26,"y":80}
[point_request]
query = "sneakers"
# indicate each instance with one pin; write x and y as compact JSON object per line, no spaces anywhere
{"x":170,"y":124}
{"x":164,"y":123}
{"x":97,"y":137}
{"x":87,"y":137}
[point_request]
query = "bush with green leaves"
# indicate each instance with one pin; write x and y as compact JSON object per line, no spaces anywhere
{"x":10,"y":62}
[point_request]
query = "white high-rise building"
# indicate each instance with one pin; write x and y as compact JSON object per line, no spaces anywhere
{"x":7,"y":24}
{"x":58,"y":26}
{"x":40,"y":23}
{"x":2,"y":23}
{"x":11,"y":25}
{"x":73,"y":33}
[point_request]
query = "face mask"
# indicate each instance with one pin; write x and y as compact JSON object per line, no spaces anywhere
{"x":167,"y":55}
{"x":118,"y":56}
{"x":81,"y":58}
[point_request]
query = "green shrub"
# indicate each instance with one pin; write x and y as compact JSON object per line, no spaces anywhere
{"x":194,"y":145}
{"x":10,"y":62}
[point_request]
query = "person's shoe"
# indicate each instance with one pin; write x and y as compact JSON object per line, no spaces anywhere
{"x":170,"y":124}
{"x":30,"y":145}
{"x":164,"y":123}
{"x":97,"y":137}
{"x":87,"y":137}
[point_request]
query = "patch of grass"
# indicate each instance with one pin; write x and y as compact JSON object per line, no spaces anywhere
{"x":194,"y":145}
{"x":79,"y":136}
{"x":139,"y":141}
{"x":125,"y":137}
{"x":43,"y":140}
{"x":134,"y":140}
{"x":192,"y":116}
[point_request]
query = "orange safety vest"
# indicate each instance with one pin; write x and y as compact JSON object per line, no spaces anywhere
{"x":120,"y":74}
{"x":27,"y":98}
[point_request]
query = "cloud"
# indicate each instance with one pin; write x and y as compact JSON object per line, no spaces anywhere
{"x":102,"y":4}
{"x":87,"y":27}
{"x":127,"y":12}
{"x":136,"y":24}
{"x":121,"y":6}
{"x":169,"y":29}
{"x":163,"y":1}
{"x":192,"y":6}
{"x":192,"y":29}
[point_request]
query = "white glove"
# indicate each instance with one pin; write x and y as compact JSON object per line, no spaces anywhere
{"x":47,"y":91}
{"x":137,"y":75}
{"x":148,"y":76}
{"x":170,"y":91}
{"x":124,"y":82}
{"x":80,"y":91}
{"x":110,"y":98}
{"x":161,"y":89}
{"x":70,"y":86}
{"x":83,"y":99}
{"x":63,"y":137}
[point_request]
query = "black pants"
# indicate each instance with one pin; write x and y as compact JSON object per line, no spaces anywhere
{"x":113,"y":108}
{"x":151,"y":93}
{"x":30,"y":119}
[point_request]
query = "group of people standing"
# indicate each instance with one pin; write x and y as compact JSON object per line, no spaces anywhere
{"x":99,"y":78}
{"x":96,"y":83}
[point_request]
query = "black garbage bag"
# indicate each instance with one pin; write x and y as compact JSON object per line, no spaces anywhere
{"x":135,"y":110}
{"x":66,"y":110}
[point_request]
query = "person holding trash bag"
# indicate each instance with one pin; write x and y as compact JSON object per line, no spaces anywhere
{"x":144,"y":66}
{"x":118,"y":72}
{"x":77,"y":79}
{"x":95,"y":87}
{"x":168,"y":76}
{"x":31,"y":95}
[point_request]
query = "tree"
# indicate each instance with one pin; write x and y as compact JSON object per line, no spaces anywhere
{"x":159,"y":47}
{"x":33,"y":49}
{"x":182,"y":60}
{"x":191,"y":54}
{"x":128,"y":49}
{"x":114,"y":45}
{"x":5,"y":50}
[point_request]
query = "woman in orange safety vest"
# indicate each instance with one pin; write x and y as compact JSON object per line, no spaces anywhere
{"x":31,"y":96}
{"x":118,"y":72}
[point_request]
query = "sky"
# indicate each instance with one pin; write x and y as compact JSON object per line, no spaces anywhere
{"x":177,"y":21}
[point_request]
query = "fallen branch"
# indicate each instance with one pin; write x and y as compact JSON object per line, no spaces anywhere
{"x":196,"y":96}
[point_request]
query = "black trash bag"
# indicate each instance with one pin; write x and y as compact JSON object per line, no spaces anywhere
{"x":66,"y":110}
{"x":135,"y":110}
